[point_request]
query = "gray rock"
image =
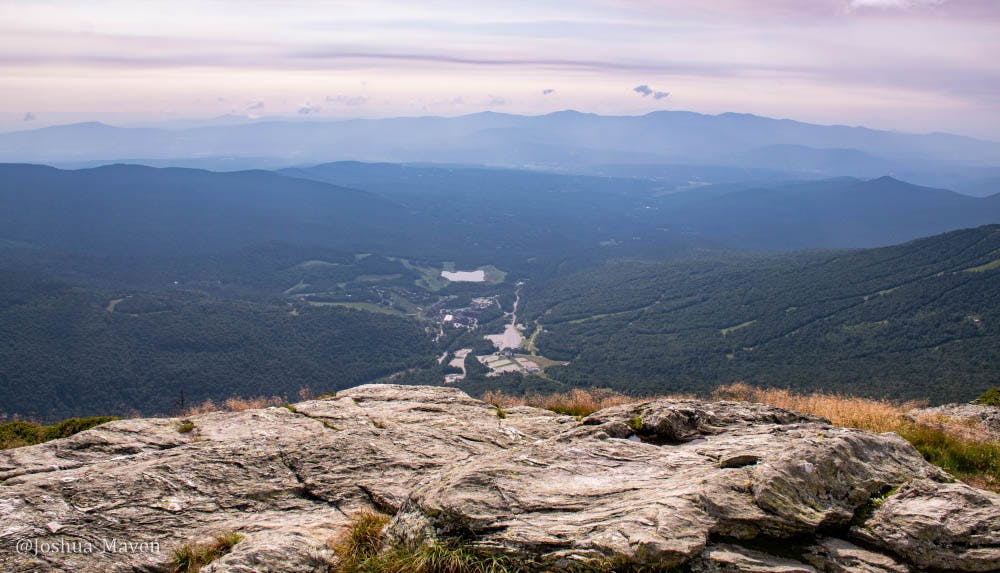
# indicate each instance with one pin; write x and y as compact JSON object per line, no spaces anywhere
{"x":839,"y":556}
{"x":985,"y":419}
{"x":708,"y":486}
{"x":936,"y":525}
{"x":726,"y":558}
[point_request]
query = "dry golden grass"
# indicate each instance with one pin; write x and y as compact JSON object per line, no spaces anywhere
{"x":846,"y":411}
{"x":576,"y":402}
{"x":961,"y":447}
{"x":235,"y":404}
{"x":190,"y":558}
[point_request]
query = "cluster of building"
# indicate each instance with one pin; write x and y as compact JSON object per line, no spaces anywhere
{"x":465,"y":317}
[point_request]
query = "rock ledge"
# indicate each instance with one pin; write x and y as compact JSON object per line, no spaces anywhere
{"x":698,"y":486}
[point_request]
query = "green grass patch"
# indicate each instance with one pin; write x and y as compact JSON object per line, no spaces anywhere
{"x":541,"y":361}
{"x":366,"y":306}
{"x":185,"y":426}
{"x":964,"y":459}
{"x":191,"y":558}
{"x":635,"y":423}
{"x":993,"y":265}
{"x":741,"y":326}
{"x":21,"y":433}
{"x":492,"y":274}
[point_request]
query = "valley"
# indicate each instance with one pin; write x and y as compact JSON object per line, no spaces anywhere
{"x":517,"y":288}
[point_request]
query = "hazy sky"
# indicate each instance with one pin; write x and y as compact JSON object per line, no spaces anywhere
{"x":913,"y":65}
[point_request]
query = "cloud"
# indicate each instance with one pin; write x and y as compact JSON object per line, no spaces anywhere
{"x":548,"y":91}
{"x":497,"y":100}
{"x":647,"y":91}
{"x":854,"y":4}
{"x":346,"y":100}
{"x":29,"y":117}
{"x":254,"y":106}
{"x":308,"y":108}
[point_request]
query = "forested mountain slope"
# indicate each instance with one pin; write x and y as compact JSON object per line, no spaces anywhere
{"x":919,"y":320}
{"x":131,"y":209}
{"x":71,"y":351}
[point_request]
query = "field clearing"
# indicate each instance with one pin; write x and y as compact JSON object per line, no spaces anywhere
{"x":730,"y":329}
{"x":541,"y":361}
{"x":983,"y":268}
{"x":366,"y":306}
{"x":430,"y":279}
{"x":376,"y":278}
{"x":316,"y":263}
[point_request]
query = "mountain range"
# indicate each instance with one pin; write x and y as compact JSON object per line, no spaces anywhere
{"x":567,"y":141}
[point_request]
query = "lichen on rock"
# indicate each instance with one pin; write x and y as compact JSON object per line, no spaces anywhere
{"x":699,"y":486}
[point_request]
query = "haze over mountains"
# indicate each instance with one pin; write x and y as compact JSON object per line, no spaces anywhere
{"x":567,"y":140}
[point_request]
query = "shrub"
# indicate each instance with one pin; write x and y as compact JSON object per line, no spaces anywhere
{"x":990,"y":397}
{"x":68,"y":427}
{"x":20,"y":433}
{"x":190,"y":558}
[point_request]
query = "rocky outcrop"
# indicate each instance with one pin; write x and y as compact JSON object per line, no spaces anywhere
{"x":699,"y":486}
{"x":979,"y":420}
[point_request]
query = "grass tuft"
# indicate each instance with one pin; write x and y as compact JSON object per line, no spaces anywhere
{"x":949,"y":446}
{"x":190,"y":558}
{"x":235,"y":404}
{"x":20,"y":433}
{"x":975,"y":462}
{"x":185,"y":426}
{"x":360,"y":549}
{"x":577,"y":402}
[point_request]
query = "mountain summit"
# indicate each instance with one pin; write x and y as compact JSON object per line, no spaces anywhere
{"x":697,"y":486}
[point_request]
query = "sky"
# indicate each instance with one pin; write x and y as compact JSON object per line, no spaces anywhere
{"x":906,"y":65}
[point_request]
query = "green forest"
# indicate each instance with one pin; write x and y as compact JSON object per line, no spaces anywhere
{"x":916,"y":321}
{"x":125,"y":288}
{"x":64,"y":353}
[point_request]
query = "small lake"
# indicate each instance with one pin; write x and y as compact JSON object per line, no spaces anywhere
{"x":465,"y":276}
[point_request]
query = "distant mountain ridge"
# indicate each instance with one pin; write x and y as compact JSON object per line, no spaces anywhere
{"x":143,"y":210}
{"x":842,"y":212}
{"x":561,"y":140}
{"x":481,"y":216}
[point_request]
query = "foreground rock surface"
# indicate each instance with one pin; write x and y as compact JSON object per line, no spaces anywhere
{"x":698,"y":486}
